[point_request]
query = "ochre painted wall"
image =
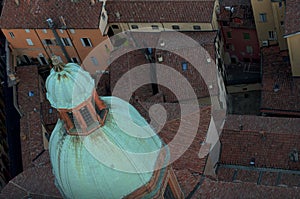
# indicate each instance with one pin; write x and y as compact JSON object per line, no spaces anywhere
{"x":294,"y":51}
{"x":20,"y":47}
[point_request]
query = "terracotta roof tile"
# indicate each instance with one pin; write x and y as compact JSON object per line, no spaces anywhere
{"x":30,"y":123}
{"x":269,"y":140}
{"x":187,"y":180}
{"x":277,"y":71}
{"x":37,"y":182}
{"x":258,"y":123}
{"x":33,"y":14}
{"x":260,"y":176}
{"x":217,"y":189}
{"x":292,"y":17}
{"x":160,"y":11}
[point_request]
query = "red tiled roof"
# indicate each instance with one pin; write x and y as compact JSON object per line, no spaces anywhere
{"x":189,"y":166}
{"x":292,"y":17}
{"x":35,"y":182}
{"x":286,"y":101}
{"x":267,"y":124}
{"x":235,"y":2}
{"x":183,"y":11}
{"x":33,"y":14}
{"x":269,"y":140}
{"x":216,"y":189}
{"x":268,"y":177}
{"x":30,"y":123}
{"x":187,"y":180}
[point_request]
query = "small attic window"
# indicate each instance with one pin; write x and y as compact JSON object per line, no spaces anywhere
{"x":30,"y":93}
{"x":134,"y":26}
{"x":11,"y":34}
{"x":72,"y":31}
{"x":175,"y":27}
{"x":115,"y":26}
{"x":196,"y":27}
{"x":27,"y":30}
{"x":154,"y":27}
{"x":184,"y":66}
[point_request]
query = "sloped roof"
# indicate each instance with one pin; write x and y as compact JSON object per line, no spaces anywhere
{"x":35,"y":182}
{"x":33,"y":14}
{"x":277,"y":71}
{"x":189,"y":167}
{"x":160,"y":11}
{"x":257,"y":123}
{"x":292,"y":17}
{"x":269,"y":140}
{"x":216,"y":189}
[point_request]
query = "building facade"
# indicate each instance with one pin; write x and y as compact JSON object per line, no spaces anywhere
{"x":292,"y":35}
{"x":239,"y":34}
{"x":269,"y":21}
{"x":46,"y":28}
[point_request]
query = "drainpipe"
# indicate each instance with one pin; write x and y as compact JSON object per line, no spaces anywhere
{"x":51,"y":26}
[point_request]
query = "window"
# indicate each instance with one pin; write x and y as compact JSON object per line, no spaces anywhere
{"x":134,"y":26}
{"x":74,"y":120}
{"x":229,"y":35}
{"x":74,"y":60}
{"x":272,"y":35}
{"x":48,"y":42}
{"x":249,"y":49}
{"x":29,"y":42}
{"x":44,"y":30}
{"x":175,"y":27}
{"x":154,"y":27}
{"x":86,"y":42}
{"x":246,"y":36}
{"x":168,"y":194}
{"x":66,"y":41}
{"x":233,"y":60}
{"x":246,"y":60}
{"x":230,"y":47}
{"x":263,"y":17}
{"x":27,"y":30}
{"x":184,"y":66}
{"x":61,"y":30}
{"x":30,"y":93}
{"x":11,"y":34}
{"x":95,"y":61}
{"x":72,"y":31}
{"x":115,"y":27}
{"x":196,"y":27}
{"x":42,"y":59}
{"x":85,"y":113}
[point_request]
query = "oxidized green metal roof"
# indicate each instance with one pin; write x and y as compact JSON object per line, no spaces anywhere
{"x":112,"y":162}
{"x":70,"y":87}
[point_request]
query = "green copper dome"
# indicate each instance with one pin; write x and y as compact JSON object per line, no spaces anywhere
{"x":115,"y":159}
{"x":110,"y":162}
{"x":70,"y":87}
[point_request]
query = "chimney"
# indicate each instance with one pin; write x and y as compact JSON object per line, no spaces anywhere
{"x":17,"y":2}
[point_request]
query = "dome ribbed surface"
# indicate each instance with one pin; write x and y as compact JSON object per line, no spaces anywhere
{"x":70,"y":87}
{"x":112,"y":162}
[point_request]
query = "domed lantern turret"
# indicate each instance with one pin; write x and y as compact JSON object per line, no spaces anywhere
{"x":102,"y":147}
{"x":71,"y":91}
